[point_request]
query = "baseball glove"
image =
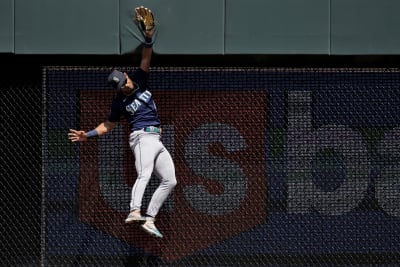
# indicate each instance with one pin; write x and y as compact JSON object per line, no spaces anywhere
{"x":144,"y":18}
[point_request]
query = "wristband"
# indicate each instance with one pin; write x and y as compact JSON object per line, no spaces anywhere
{"x":92,"y":133}
{"x":148,"y":42}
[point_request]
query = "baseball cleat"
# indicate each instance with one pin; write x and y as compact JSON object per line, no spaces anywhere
{"x":150,"y":228}
{"x":134,"y":216}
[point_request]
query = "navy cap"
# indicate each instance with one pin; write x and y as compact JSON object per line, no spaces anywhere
{"x":117,"y":79}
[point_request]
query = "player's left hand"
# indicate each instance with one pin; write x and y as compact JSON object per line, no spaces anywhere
{"x":149,"y":33}
{"x":144,"y":18}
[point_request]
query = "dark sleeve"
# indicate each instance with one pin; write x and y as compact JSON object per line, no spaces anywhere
{"x":115,"y":113}
{"x":141,"y":77}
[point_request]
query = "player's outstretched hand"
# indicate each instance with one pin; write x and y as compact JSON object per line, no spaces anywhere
{"x":149,"y":33}
{"x":77,"y":136}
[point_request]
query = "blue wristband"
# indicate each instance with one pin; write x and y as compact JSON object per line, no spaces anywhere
{"x":148,"y":42}
{"x":92,"y":133}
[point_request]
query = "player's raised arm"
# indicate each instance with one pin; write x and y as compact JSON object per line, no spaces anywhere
{"x":147,"y":51}
{"x":80,"y":136}
{"x":146,"y":23}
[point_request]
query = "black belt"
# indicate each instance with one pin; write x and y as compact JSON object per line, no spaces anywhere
{"x":152,"y":129}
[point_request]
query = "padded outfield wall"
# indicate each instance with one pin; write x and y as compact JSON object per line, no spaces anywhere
{"x":207,"y":27}
{"x":275,"y":167}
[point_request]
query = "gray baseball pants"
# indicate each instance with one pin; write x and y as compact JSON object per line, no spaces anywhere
{"x":151,"y":156}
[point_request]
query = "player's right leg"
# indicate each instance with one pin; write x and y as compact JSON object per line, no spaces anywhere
{"x":164,"y":169}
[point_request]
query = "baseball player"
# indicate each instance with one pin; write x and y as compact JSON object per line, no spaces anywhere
{"x":134,"y":101}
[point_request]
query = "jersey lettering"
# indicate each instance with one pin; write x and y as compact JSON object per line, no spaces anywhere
{"x":136,"y":104}
{"x":145,"y":96}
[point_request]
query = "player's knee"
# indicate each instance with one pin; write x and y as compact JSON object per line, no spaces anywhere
{"x":172,"y":182}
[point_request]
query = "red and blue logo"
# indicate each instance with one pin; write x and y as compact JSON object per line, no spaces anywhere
{"x":217,"y":140}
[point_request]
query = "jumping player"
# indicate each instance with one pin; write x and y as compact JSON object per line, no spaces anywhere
{"x":135,"y":102}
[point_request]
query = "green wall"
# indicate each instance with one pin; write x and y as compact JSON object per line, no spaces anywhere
{"x":212,"y":27}
{"x":7,"y":26}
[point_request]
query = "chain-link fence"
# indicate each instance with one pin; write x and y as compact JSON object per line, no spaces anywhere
{"x":21,"y":186}
{"x":275,"y":167}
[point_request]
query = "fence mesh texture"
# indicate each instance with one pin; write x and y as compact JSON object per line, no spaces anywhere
{"x":275,"y":167}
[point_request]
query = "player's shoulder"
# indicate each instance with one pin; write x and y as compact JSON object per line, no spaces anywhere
{"x":118,"y":97}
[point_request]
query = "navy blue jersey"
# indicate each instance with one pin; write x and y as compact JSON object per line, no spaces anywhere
{"x":138,"y":108}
